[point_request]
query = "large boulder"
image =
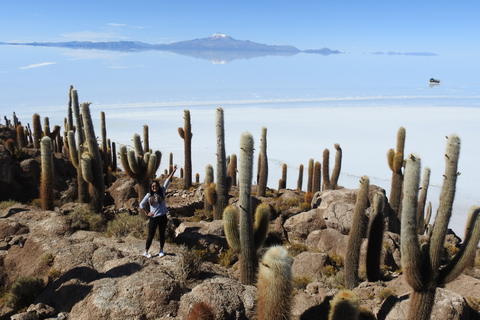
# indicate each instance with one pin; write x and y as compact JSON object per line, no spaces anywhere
{"x":230,"y":299}
{"x":299,"y":226}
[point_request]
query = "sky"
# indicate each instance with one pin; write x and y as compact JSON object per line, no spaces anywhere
{"x":441,"y":27}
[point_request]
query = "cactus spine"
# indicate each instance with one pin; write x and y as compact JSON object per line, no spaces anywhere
{"x":344,"y":305}
{"x":375,"y":238}
{"x":422,"y":265}
{"x":186,"y":135}
{"x":92,"y":168}
{"x":222,"y":179}
{"x":140,"y":165}
{"x":263,"y":175}
{"x":47,"y":179}
{"x":355,"y":237}
{"x":275,"y":285}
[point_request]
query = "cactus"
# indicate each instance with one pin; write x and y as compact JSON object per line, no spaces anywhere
{"x":186,"y":135}
{"x":300,"y":178}
{"x":375,"y":238}
{"x":317,"y":176}
{"x":37,"y":131}
{"x":69,"y":122}
{"x":223,"y":181}
{"x":91,"y":162}
{"x":331,"y":183}
{"x":284,"y":176}
{"x":104,"y":149}
{"x":47,"y":186}
{"x":21,"y":138}
{"x":422,"y":201}
{"x":209,"y":189}
{"x":263,"y":163}
{"x":274,"y":285}
{"x":248,"y":257}
{"x":232,"y":169}
{"x":310,"y":176}
{"x":140,"y":165}
{"x":201,"y":311}
{"x":422,"y":265}
{"x":241,"y":233}
{"x":355,"y":236}
{"x":344,"y":306}
{"x":395,"y":162}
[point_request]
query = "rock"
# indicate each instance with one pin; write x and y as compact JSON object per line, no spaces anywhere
{"x":328,"y":240}
{"x":230,"y":299}
{"x":299,"y":226}
{"x":310,"y":265}
{"x":448,"y":305}
{"x":42,"y":310}
{"x":202,"y":234}
{"x":122,"y":190}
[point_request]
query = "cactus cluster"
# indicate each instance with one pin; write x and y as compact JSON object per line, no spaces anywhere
{"x":140,"y":164}
{"x":422,"y":264}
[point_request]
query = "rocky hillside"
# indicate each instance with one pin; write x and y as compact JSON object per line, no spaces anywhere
{"x":71,"y":264}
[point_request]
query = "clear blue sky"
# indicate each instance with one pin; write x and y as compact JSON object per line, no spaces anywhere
{"x":438,"y":26}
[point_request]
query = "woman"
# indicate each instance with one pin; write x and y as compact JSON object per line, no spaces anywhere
{"x":157,"y":214}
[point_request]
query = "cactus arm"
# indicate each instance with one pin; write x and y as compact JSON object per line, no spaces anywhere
{"x":72,"y":146}
{"x":86,"y":163}
{"x":137,"y":145}
{"x":422,"y":200}
{"x":152,"y":165}
{"x":409,"y":246}
{"x":263,"y":175}
{"x":133,"y":162}
{"x":222,"y":188}
{"x":326,"y":170}
{"x":262,"y":218}
{"x":375,"y":238}
{"x":446,"y":201}
{"x":355,"y":236}
{"x":230,"y":227}
{"x":125,"y":163}
{"x":337,"y":167}
{"x":467,"y":251}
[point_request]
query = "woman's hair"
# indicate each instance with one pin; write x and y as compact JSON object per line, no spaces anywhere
{"x":157,"y":196}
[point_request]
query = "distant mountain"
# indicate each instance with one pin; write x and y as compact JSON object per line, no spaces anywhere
{"x":219,"y":48}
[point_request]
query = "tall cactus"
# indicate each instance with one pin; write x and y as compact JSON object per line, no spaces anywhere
{"x":263,"y":175}
{"x":91,"y":162}
{"x":310,"y":176}
{"x":80,"y":139}
{"x":223,"y":181}
{"x":37,"y":131}
{"x":47,"y":186}
{"x":248,"y":257}
{"x":208,"y":188}
{"x":375,"y":238}
{"x":317,"y":176}
{"x":21,"y":138}
{"x":331,"y":183}
{"x":240,"y":231}
{"x":274,"y":285}
{"x":357,"y":231}
{"x":395,"y":162}
{"x":422,"y":265}
{"x":300,"y":178}
{"x":186,"y":134}
{"x":140,"y":165}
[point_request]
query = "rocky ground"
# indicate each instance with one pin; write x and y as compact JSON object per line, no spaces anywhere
{"x":97,"y":277}
{"x":89,"y":274}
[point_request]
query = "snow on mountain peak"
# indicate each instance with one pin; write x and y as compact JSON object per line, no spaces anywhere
{"x":218,"y":35}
